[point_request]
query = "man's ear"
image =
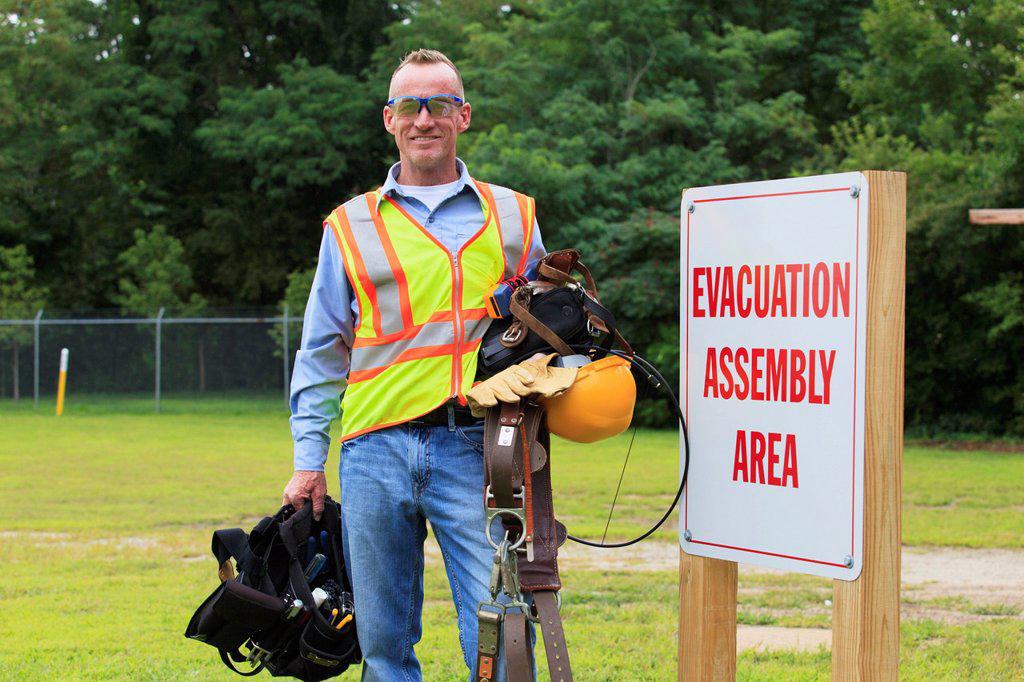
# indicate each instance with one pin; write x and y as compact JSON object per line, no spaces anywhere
{"x":464,"y":117}
{"x":389,"y":120}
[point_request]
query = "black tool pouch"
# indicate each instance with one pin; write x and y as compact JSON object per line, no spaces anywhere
{"x":556,"y":314}
{"x":561,"y":309}
{"x":320,"y":651}
{"x":251,"y":610}
{"x":323,"y":652}
{"x":232,"y":614}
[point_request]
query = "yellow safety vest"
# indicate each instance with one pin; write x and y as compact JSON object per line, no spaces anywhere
{"x":421,"y":308}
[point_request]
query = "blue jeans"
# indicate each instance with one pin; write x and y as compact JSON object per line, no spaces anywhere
{"x":393,"y":481}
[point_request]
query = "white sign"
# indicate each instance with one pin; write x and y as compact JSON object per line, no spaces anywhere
{"x":774,"y":298}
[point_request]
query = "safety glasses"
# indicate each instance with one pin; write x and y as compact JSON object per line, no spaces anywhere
{"x":437,"y":105}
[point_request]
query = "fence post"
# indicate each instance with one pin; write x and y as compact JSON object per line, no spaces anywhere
{"x":35,"y":358}
{"x":159,"y":325}
{"x":284,"y":354}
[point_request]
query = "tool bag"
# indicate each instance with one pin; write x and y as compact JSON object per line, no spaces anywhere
{"x":555,"y":313}
{"x":258,"y":608}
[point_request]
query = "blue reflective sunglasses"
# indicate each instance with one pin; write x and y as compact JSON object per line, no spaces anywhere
{"x":437,"y":105}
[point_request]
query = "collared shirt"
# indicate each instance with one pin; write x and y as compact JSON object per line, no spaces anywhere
{"x":332,"y":313}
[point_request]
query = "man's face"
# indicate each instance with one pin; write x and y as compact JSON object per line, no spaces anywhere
{"x":424,"y":141}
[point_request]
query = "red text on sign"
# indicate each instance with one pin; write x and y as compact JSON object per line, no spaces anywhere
{"x":775,"y":290}
{"x":766,"y":458}
{"x":782,"y":375}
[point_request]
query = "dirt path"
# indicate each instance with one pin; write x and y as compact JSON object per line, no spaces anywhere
{"x":989,"y":575}
{"x":951,"y":585}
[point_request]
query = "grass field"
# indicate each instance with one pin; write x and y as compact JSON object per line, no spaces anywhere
{"x":108,"y":513}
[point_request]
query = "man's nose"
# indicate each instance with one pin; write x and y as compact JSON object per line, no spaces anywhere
{"x":424,"y":119}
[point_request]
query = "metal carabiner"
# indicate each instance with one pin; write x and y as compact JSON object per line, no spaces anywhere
{"x":510,"y":575}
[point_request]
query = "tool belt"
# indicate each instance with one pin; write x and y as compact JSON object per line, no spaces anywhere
{"x":449,"y":413}
{"x":269,"y":605}
{"x":555,"y":313}
{"x":517,"y":489}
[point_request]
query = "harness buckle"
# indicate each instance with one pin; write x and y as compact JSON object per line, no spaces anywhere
{"x":513,"y":335}
{"x":517,"y":513}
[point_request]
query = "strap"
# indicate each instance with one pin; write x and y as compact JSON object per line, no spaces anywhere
{"x":231,"y":543}
{"x":527,"y":490}
{"x":560,"y":277}
{"x":228,"y":663}
{"x":521,"y":313}
{"x":488,"y":629}
{"x":518,"y":658}
{"x":554,"y":637}
{"x":504,"y":469}
{"x":594,"y":308}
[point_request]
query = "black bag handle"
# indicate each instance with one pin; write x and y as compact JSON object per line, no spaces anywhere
{"x":228,"y":663}
{"x":231,"y":543}
{"x":234,"y":543}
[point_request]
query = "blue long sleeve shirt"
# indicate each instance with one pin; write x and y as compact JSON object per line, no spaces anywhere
{"x":332,"y":313}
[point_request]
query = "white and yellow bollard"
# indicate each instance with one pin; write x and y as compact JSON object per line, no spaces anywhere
{"x":62,"y":382}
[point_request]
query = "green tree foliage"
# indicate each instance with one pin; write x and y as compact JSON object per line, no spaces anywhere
{"x":294,"y":302}
{"x":236,"y":125}
{"x":20,"y":299}
{"x":156,"y":275}
{"x":940,"y":96}
{"x":239,"y":125}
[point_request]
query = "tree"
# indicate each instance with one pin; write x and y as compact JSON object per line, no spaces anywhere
{"x":940,"y":96}
{"x":295,"y":296}
{"x":156,"y":275}
{"x":20,"y":298}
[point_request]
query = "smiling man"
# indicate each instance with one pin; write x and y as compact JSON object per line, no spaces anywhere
{"x":394,"y":320}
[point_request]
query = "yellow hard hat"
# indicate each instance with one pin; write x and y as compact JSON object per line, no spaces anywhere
{"x":598,"y":405}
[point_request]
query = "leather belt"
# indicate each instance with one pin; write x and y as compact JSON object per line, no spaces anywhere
{"x":450,"y":413}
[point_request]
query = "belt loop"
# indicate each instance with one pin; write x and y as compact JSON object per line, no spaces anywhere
{"x":451,"y":415}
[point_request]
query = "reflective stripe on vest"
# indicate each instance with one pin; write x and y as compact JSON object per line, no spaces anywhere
{"x":421,"y":308}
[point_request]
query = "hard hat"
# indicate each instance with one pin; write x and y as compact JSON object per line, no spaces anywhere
{"x":598,"y":405}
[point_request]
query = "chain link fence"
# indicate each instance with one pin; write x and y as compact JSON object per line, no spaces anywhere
{"x":170,"y":352}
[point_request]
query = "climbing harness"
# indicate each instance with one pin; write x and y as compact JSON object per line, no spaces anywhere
{"x":524,"y":577}
{"x":562,"y":315}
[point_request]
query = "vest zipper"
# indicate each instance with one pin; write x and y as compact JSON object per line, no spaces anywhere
{"x":457,"y":312}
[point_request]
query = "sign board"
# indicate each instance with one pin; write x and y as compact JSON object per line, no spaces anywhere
{"x":774,"y":300}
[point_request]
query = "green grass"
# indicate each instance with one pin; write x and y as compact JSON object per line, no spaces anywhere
{"x":108,"y":513}
{"x":966,"y":499}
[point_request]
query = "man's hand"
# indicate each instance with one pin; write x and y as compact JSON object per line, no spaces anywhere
{"x":306,"y":484}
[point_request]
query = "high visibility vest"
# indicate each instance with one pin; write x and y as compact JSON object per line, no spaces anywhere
{"x":421,"y":308}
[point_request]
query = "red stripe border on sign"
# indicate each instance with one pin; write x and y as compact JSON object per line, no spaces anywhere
{"x":856,"y":326}
{"x":758,"y":551}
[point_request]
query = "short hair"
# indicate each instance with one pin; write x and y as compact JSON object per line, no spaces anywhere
{"x":425,"y":56}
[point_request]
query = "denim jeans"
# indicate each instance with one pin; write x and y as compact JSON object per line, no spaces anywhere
{"x":393,"y":481}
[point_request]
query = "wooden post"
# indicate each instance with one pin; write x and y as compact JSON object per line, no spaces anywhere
{"x":707,"y":618}
{"x":866,"y":612}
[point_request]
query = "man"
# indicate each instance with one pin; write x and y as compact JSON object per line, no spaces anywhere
{"x":397,"y":308}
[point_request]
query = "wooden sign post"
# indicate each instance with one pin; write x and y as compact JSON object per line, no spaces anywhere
{"x":865,"y":615}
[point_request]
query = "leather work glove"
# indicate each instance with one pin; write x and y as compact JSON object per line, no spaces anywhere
{"x":533,"y":377}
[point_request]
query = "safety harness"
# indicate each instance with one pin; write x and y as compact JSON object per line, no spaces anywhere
{"x":517,"y":489}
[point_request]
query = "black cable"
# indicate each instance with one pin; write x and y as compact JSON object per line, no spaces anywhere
{"x":652,"y":373}
{"x":629,"y":451}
